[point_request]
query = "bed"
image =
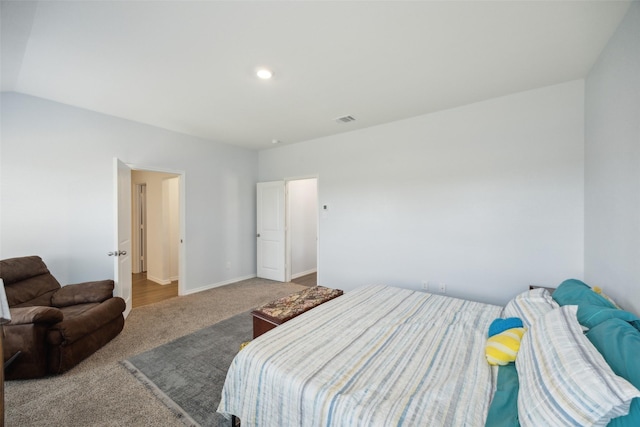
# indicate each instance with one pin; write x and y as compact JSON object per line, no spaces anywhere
{"x":385,"y":356}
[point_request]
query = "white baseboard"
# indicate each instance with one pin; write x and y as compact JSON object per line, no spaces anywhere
{"x":159,"y":281}
{"x":216,"y":285}
{"x":304,"y":273}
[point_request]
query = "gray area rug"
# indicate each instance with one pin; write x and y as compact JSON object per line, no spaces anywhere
{"x":187,"y":374}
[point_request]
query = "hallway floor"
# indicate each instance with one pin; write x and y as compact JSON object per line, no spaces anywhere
{"x":145,"y":291}
{"x":308,"y":280}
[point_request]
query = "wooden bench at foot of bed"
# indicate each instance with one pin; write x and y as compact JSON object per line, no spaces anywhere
{"x":274,"y":313}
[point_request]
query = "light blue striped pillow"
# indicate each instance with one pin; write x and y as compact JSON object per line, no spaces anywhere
{"x":563,"y":378}
{"x":530,"y":305}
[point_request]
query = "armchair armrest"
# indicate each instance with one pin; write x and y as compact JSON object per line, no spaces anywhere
{"x":74,"y":327}
{"x":35,"y":314}
{"x":83,"y":293}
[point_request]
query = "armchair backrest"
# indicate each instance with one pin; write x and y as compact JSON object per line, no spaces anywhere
{"x":27,"y":281}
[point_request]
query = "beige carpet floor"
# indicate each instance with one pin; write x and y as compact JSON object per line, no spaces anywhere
{"x":101,"y":392}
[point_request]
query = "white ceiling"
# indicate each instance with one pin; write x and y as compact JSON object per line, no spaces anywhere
{"x":189,"y":66}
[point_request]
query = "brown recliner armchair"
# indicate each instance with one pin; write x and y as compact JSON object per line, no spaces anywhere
{"x":54,"y":328}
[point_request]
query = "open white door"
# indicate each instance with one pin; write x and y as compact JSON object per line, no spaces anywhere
{"x":122,"y":253}
{"x":271,"y":230}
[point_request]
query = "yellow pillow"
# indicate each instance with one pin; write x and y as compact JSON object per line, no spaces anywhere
{"x":598,"y":290}
{"x":502,"y":348}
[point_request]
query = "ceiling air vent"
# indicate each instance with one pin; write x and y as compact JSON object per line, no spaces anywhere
{"x":345,"y":119}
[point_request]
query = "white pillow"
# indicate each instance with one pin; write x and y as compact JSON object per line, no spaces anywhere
{"x":530,"y":305}
{"x":563,"y":378}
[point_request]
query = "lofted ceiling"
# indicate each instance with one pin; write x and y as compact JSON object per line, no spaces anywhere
{"x":189,"y":66}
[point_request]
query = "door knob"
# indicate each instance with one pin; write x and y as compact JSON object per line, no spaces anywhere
{"x":258,"y":235}
{"x":117,"y":253}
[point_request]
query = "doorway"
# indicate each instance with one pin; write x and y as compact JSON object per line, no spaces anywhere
{"x":287,"y":229}
{"x":302,"y":231}
{"x":155,"y":236}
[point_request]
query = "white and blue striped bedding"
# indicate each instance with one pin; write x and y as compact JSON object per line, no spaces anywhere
{"x":563,"y":378}
{"x":376,"y":356}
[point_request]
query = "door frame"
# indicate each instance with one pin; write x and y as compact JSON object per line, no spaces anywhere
{"x":138,"y":236}
{"x":287,"y":255}
{"x":182,"y":253}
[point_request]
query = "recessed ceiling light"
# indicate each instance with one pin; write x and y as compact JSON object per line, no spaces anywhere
{"x":264,"y":74}
{"x":275,"y":141}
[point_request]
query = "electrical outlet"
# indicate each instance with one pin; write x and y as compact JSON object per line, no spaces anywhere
{"x":443,"y":287}
{"x":425,"y":285}
{"x":228,"y":264}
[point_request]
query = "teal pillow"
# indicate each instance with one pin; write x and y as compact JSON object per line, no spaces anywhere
{"x":503,"y":411}
{"x":575,"y":292}
{"x":619,"y":344}
{"x":630,"y":420}
{"x":592,"y":315}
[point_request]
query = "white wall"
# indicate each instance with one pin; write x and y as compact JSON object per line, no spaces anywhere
{"x":303,"y":226}
{"x":486,"y":198}
{"x":58,"y":191}
{"x":612,"y":170}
